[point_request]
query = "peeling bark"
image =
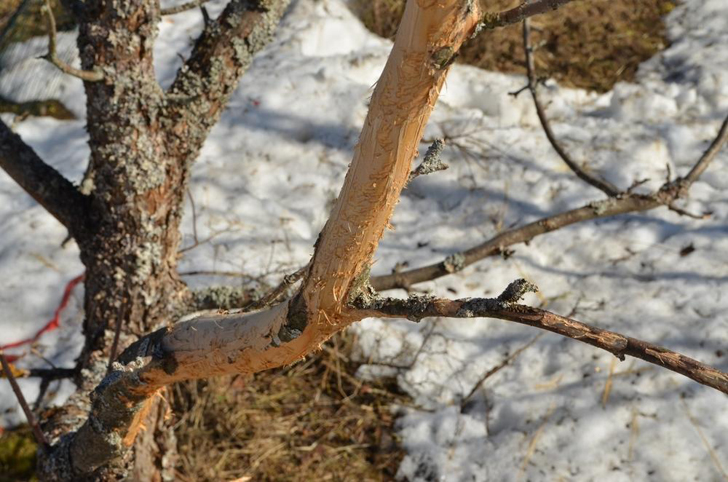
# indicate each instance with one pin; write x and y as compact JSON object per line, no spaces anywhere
{"x":142,"y":143}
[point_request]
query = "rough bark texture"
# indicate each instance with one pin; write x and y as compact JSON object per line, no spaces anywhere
{"x":137,"y":178}
{"x":143,"y":142}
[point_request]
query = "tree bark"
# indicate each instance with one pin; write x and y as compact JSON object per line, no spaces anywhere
{"x":143,"y":142}
{"x":138,"y":181}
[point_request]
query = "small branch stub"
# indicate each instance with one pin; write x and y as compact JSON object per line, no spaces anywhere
{"x":516,"y":290}
{"x":432,"y":162}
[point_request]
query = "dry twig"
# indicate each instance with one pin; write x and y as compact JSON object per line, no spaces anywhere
{"x":273,"y":295}
{"x":519,"y":13}
{"x":624,"y":203}
{"x":95,"y":75}
{"x":602,"y":185}
{"x":505,"y":307}
{"x":183,"y":7}
{"x":37,"y":432}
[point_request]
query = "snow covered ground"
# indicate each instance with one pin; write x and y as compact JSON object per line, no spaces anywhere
{"x":271,"y":168}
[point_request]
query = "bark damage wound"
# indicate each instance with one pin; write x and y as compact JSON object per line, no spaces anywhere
{"x":430,"y":34}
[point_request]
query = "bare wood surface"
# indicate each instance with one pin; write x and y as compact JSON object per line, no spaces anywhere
{"x":246,"y":343}
{"x":428,"y":38}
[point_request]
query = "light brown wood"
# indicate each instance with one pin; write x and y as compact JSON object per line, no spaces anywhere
{"x":404,"y":97}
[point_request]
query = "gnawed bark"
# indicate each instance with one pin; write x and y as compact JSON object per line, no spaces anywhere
{"x":431,"y":34}
{"x":427,"y":41}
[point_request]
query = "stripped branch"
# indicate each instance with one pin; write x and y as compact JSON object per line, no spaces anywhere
{"x":523,"y":11}
{"x":602,"y":185}
{"x":95,"y":75}
{"x":505,"y":307}
{"x":207,"y":346}
{"x":670,"y":192}
{"x":183,"y":7}
{"x":44,"y":184}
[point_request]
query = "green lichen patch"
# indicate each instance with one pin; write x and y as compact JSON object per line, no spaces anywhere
{"x":17,"y":455}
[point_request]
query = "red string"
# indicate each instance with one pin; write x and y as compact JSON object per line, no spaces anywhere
{"x":51,"y":325}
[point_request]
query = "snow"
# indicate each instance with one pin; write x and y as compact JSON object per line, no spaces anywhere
{"x":270,"y":169}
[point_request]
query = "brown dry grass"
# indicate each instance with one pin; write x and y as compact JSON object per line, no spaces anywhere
{"x":310,"y":421}
{"x":590,"y":44}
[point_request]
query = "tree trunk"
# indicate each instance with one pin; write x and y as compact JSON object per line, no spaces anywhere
{"x":137,"y":190}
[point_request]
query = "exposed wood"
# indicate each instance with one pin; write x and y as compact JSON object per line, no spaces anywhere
{"x":430,"y":34}
{"x":214,"y":345}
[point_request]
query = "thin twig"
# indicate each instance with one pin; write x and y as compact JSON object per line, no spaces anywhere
{"x":624,"y":203}
{"x":37,"y":432}
{"x":273,"y":295}
{"x":709,"y":155}
{"x":509,"y":359}
{"x":120,"y":315}
{"x":604,"y":186}
{"x":95,"y":75}
{"x":52,"y":373}
{"x":183,"y":7}
{"x":231,"y":274}
{"x":519,"y":13}
{"x":505,"y":307}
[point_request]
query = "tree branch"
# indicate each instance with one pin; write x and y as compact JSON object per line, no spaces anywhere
{"x":44,"y":184}
{"x":707,"y":157}
{"x":208,"y":346}
{"x":95,"y":75}
{"x":428,"y":38}
{"x":183,"y":7}
{"x":622,"y":204}
{"x":37,"y":432}
{"x":602,"y":185}
{"x":221,"y":55}
{"x":525,"y":10}
{"x":431,"y":163}
{"x":505,"y":307}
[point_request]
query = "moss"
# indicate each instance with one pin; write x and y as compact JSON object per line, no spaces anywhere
{"x":17,"y":455}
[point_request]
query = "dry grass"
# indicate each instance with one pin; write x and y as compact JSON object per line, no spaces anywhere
{"x":590,"y":44}
{"x":311,"y":421}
